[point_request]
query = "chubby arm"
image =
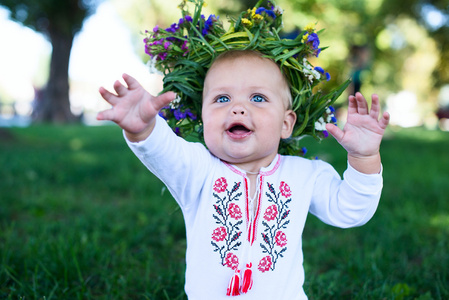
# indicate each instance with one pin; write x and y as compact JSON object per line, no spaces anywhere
{"x":362,"y":134}
{"x":133,"y":108}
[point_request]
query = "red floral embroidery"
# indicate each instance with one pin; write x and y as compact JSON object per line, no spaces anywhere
{"x":234,"y":211}
{"x":231,"y":261}
{"x":265,"y":264}
{"x":281,"y":239}
{"x":285,"y":190}
{"x":219,"y":234}
{"x":271,"y":213}
{"x":276,"y":220}
{"x":227,"y":236}
{"x":220,"y":185}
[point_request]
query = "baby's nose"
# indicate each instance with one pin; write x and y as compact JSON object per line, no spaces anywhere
{"x":239,"y":110}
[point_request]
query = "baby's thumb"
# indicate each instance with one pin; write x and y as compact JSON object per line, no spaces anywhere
{"x":336,"y":132}
{"x":163,"y":100}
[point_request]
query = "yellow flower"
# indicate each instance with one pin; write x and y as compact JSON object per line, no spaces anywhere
{"x":204,"y":4}
{"x":305,"y":37}
{"x":310,"y":27}
{"x":258,"y":17}
{"x":252,"y":12}
{"x":182,"y":4}
{"x":247,"y":22}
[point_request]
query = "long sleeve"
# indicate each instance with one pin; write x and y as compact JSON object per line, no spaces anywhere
{"x":182,"y":166}
{"x":345,"y":203}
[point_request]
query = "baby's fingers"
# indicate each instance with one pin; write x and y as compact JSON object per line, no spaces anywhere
{"x":163,"y":100}
{"x":106,"y":115}
{"x":336,"y":132}
{"x":108,"y":96}
{"x":120,"y":88}
{"x":131,"y":82}
{"x":385,"y":120}
{"x":375,"y":107}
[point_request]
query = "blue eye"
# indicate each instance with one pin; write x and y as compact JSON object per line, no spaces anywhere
{"x":222,"y":99}
{"x":258,"y":98}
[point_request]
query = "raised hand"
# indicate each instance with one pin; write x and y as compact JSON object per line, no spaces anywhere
{"x":362,"y":133}
{"x":133,"y":108}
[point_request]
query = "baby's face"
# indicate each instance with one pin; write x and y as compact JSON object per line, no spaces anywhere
{"x":245,"y":111}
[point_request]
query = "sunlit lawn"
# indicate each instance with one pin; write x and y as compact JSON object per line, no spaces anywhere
{"x":81,"y":218}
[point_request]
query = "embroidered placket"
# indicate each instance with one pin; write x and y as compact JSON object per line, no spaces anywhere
{"x":253,"y":207}
{"x":251,"y":217}
{"x":241,"y":281}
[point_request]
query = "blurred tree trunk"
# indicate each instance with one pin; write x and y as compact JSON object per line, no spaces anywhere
{"x":54,"y":107}
{"x":59,"y":20}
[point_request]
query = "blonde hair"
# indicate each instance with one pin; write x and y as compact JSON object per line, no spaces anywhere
{"x":236,"y":54}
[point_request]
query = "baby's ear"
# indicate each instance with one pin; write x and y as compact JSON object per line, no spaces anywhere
{"x":289,"y":124}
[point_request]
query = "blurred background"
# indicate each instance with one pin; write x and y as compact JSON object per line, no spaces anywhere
{"x":82,"y":218}
{"x":56,"y":54}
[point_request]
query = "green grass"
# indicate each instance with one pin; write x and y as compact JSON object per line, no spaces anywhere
{"x":82,"y":218}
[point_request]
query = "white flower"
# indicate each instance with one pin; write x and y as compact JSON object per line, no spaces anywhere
{"x":320,"y":125}
{"x":152,"y":66}
{"x":175,"y":102}
{"x":306,"y":64}
{"x":278,"y":10}
{"x":311,"y":78}
{"x":316,"y":74}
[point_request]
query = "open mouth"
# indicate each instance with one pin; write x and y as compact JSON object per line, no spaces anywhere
{"x":238,"y":131}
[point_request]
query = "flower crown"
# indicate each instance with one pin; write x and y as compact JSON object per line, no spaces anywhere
{"x":184,"y":52}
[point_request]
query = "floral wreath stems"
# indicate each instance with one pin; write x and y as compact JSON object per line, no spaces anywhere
{"x":184,"y":51}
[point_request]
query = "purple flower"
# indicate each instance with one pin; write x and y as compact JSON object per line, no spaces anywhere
{"x":148,"y":51}
{"x":209,"y":23}
{"x":325,"y":133}
{"x":158,"y":42}
{"x":260,"y":10}
{"x":162,"y":56}
{"x":270,"y":13}
{"x":188,"y":18}
{"x":167,"y":45}
{"x":156,"y":29}
{"x":190,"y":114}
{"x":173,"y":28}
{"x":334,"y":119}
{"x":319,"y":69}
{"x":179,"y":115}
{"x":314,"y":40}
{"x":304,"y":150}
{"x":332,"y":109}
{"x":162,"y":113}
{"x":184,"y":46}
